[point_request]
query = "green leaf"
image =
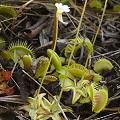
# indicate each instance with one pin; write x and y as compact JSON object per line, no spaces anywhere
{"x":51,"y":7}
{"x":42,"y":65}
{"x":116,"y":8}
{"x":96,"y":4}
{"x":99,"y":96}
{"x":69,"y":48}
{"x":27,"y":62}
{"x":7,"y":12}
{"x":67,"y":83}
{"x":85,"y":100}
{"x":102,"y":64}
{"x":78,"y":70}
{"x":55,"y":59}
{"x":63,"y":70}
{"x":65,"y":2}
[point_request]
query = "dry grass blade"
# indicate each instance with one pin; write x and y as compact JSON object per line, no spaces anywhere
{"x":13,"y":99}
{"x":21,"y":8}
{"x":72,"y":3}
{"x":77,"y":20}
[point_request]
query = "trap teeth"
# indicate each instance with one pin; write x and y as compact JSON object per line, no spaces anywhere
{"x":102,"y":64}
{"x":78,"y":70}
{"x":21,"y":49}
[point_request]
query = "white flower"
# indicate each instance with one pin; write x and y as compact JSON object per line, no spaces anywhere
{"x":60,"y":9}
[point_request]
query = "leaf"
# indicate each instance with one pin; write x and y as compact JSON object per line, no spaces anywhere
{"x":9,"y":91}
{"x":55,"y":59}
{"x":76,"y":95}
{"x":78,"y":70}
{"x":102,"y":64}
{"x":5,"y":75}
{"x":27,"y":61}
{"x":63,"y":70}
{"x":68,"y":49}
{"x":32,"y":102}
{"x":7,"y":12}
{"x":42,"y":109}
{"x":96,"y":4}
{"x":98,"y":96}
{"x":51,"y":7}
{"x":116,"y":8}
{"x":5,"y":54}
{"x":67,"y":82}
{"x":85,"y":100}
{"x":3,"y":86}
{"x":42,"y":66}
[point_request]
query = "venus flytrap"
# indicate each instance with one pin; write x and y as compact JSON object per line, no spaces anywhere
{"x":102,"y":64}
{"x":40,"y":108}
{"x":55,"y":59}
{"x":87,"y":89}
{"x":105,"y":93}
{"x":51,"y":53}
{"x":88,"y":45}
{"x":58,"y":16}
{"x":98,"y":95}
{"x":27,"y":61}
{"x":48,"y":79}
{"x":77,"y":87}
{"x":72,"y":50}
{"x":21,"y":49}
{"x":89,"y":54}
{"x":77,"y":70}
{"x":16,"y":51}
{"x":20,"y":52}
{"x":42,"y":67}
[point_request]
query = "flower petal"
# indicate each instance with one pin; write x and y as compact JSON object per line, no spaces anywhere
{"x":62,"y":8}
{"x":66,"y":8}
{"x":59,"y":16}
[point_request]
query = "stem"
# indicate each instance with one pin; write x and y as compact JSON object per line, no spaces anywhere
{"x":54,"y":45}
{"x":72,"y":51}
{"x":55,"y":28}
{"x":95,"y":37}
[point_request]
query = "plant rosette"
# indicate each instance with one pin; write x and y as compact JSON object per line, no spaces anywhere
{"x":77,"y":88}
{"x":39,"y":108}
